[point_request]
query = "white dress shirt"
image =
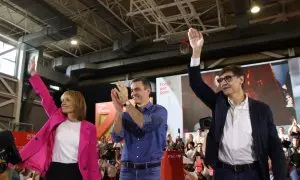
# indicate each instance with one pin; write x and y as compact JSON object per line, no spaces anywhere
{"x":66,"y":143}
{"x":236,"y":142}
{"x":195,"y":62}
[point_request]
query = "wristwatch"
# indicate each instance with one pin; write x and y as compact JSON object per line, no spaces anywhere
{"x":126,"y":103}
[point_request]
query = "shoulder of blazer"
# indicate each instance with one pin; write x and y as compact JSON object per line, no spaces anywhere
{"x":221,"y":97}
{"x":258,"y":104}
{"x":88,"y":126}
{"x":221,"y":94}
{"x":57,"y":118}
{"x":260,"y":108}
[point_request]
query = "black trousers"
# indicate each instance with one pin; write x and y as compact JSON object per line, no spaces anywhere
{"x":61,"y":171}
{"x":228,"y":174}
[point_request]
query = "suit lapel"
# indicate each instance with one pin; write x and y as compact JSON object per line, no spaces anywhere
{"x":220,"y":116}
{"x":56,"y":119}
{"x":84,"y":136}
{"x":254,"y":117}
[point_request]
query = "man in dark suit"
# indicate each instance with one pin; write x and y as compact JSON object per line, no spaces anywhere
{"x":242,"y":135}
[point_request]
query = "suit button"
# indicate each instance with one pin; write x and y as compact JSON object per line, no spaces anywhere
{"x":84,"y":168}
{"x":36,"y":138}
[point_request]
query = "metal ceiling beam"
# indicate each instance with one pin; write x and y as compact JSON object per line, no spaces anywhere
{"x":219,"y":61}
{"x":122,"y":62}
{"x":7,"y":51}
{"x":148,"y":73}
{"x":15,"y":43}
{"x":220,"y":11}
{"x":183,"y":12}
{"x":229,"y":43}
{"x":106,"y":5}
{"x":183,"y":34}
{"x":193,"y":10}
{"x":45,"y":13}
{"x":108,"y":56}
{"x":66,"y":51}
{"x":240,"y":9}
{"x":132,"y":12}
{"x":13,"y":16}
{"x":89,"y":20}
{"x":271,"y":54}
{"x":155,"y":16}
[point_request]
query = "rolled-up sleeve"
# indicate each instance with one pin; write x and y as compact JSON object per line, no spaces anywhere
{"x":155,"y":119}
{"x":118,"y":137}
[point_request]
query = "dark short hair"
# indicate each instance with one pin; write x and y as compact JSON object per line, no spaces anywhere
{"x":192,"y":143}
{"x":236,"y":70}
{"x":145,"y":82}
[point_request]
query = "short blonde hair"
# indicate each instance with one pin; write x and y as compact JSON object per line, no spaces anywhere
{"x":79,"y":103}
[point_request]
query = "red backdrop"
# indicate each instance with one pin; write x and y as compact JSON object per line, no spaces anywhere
{"x":22,"y":138}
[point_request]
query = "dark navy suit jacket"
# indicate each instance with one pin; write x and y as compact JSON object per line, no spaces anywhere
{"x":266,"y":142}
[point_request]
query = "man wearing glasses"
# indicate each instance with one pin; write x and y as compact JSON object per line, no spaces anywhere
{"x":242,"y":134}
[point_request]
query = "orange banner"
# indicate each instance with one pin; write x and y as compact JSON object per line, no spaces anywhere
{"x":22,"y":138}
{"x":105,"y":113}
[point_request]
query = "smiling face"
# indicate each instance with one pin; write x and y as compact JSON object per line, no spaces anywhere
{"x":230,"y":83}
{"x":140,"y":93}
{"x":73,"y":103}
{"x":67,"y":104}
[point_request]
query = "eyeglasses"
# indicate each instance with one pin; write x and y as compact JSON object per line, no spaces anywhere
{"x":226,"y":78}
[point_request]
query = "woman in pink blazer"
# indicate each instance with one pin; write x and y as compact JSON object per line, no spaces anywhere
{"x":65,"y":147}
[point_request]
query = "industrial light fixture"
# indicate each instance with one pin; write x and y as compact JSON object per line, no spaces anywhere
{"x":74,"y":42}
{"x":254,"y":8}
{"x":56,"y":88}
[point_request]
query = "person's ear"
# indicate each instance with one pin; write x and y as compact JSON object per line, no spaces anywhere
{"x":242,"y":80}
{"x":149,"y":91}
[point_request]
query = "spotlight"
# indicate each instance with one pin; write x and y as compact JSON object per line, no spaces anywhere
{"x":74,"y":42}
{"x":254,"y":8}
{"x":56,"y":88}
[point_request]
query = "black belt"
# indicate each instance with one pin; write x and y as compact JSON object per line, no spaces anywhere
{"x":237,"y":168}
{"x":140,"y":165}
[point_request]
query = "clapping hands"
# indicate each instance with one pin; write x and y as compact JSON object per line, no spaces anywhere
{"x":119,"y":96}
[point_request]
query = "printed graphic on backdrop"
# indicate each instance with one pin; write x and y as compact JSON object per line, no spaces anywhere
{"x":105,"y":113}
{"x":269,"y":83}
{"x":168,"y":94}
{"x":294,"y":67}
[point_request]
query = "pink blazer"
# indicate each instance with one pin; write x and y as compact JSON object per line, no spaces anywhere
{"x":37,"y":153}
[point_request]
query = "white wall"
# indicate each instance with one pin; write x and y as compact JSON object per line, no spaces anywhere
{"x":169,"y":95}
